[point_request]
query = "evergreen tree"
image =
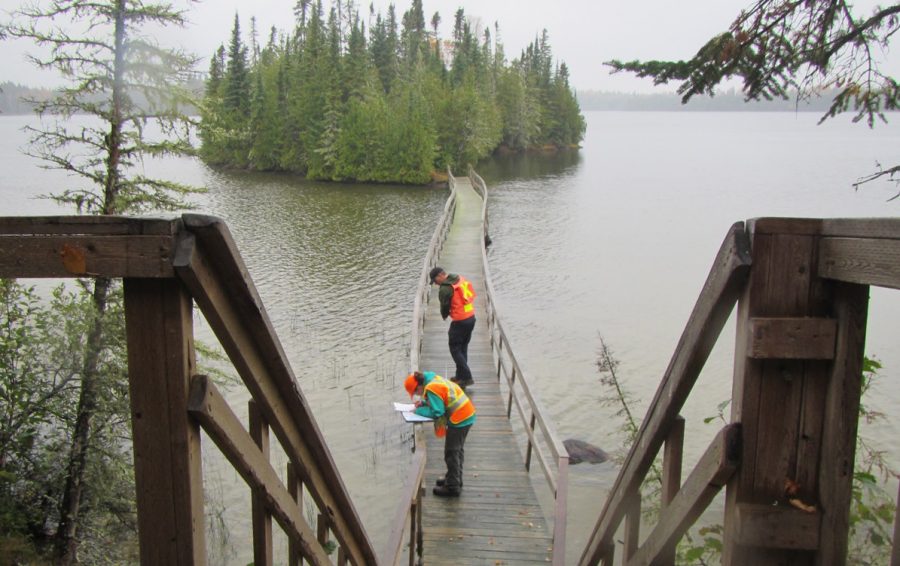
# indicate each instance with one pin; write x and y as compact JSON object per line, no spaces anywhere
{"x":216,"y":72}
{"x":108,"y":67}
{"x":237,"y":80}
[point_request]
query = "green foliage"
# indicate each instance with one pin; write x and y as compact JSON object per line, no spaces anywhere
{"x":40,"y":374}
{"x":333,"y":103}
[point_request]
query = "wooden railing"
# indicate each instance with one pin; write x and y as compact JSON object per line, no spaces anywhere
{"x":423,"y":289}
{"x":165,"y":266}
{"x":541,"y":433}
{"x":802,"y":290}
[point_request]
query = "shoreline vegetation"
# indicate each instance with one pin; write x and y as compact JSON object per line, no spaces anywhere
{"x":380,"y":99}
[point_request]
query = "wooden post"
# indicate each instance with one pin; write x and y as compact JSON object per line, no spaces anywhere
{"x":895,"y":551}
{"x":262,"y":521}
{"x":168,"y":475}
{"x":673,"y":453}
{"x":530,"y":436}
{"x":632,"y":527}
{"x":798,"y":405}
{"x":295,"y":489}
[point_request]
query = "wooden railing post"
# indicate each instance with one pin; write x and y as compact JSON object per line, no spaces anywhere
{"x":262,"y":520}
{"x":895,"y":551}
{"x":168,"y":475}
{"x":295,"y":489}
{"x":632,"y":527}
{"x":798,"y":362}
{"x":531,"y":424}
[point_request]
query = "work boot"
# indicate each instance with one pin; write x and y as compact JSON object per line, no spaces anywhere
{"x":444,"y":491}
{"x":440,"y":482}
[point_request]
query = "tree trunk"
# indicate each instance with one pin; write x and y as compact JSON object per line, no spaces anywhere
{"x":70,"y":506}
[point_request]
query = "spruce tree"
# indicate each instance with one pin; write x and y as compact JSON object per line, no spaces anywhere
{"x":110,"y":66}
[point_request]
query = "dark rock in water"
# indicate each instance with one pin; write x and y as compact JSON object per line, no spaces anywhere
{"x":580,"y":451}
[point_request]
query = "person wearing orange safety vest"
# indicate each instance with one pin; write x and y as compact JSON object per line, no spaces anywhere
{"x":453,"y":414}
{"x":457,"y":300}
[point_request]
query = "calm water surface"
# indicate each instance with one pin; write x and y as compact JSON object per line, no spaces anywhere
{"x":614,"y":240}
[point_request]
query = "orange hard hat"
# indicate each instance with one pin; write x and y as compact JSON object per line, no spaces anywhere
{"x":411,"y":384}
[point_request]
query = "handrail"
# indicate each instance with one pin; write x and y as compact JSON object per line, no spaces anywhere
{"x":423,"y":288}
{"x":165,"y":265}
{"x":208,"y":262}
{"x":717,"y":299}
{"x":560,"y":457}
{"x":410,"y":508}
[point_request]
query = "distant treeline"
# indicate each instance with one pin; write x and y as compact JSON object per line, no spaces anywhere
{"x":385,"y":101}
{"x":12,"y":95}
{"x":730,"y":101}
{"x":13,"y":98}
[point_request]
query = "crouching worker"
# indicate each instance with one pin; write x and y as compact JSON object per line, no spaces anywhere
{"x":453,"y":414}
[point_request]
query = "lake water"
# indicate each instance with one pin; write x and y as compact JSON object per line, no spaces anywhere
{"x":614,"y":240}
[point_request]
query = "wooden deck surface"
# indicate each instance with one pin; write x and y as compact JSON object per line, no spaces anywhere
{"x":497,"y":519}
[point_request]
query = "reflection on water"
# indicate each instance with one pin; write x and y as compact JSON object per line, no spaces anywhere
{"x":532,"y":165}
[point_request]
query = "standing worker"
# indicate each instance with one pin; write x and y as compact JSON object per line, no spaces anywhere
{"x":453,"y":414}
{"x":457,"y":299}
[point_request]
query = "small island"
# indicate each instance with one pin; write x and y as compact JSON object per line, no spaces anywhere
{"x":393,"y":102}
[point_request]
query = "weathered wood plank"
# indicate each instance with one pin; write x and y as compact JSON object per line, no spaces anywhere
{"x":215,"y":416}
{"x":782,"y":404}
{"x":792,"y":338}
{"x":168,"y":474}
{"x":87,"y":224}
{"x":861,"y":227}
{"x":835,"y":473}
{"x":771,"y":526}
{"x":864,"y":261}
{"x":82,"y":256}
{"x":222,"y":288}
{"x":721,"y":289}
{"x":713,"y":469}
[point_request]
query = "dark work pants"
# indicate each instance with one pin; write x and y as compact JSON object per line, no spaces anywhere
{"x":459,"y":334}
{"x":454,"y":455}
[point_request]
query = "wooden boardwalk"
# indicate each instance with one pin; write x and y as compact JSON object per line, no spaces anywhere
{"x":497,"y":519}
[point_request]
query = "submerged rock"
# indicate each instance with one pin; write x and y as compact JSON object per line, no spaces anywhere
{"x":581,"y":451}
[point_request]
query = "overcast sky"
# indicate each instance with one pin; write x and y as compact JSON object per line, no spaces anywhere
{"x":583,"y":33}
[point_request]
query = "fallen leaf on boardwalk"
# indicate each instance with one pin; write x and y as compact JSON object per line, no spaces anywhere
{"x":531,"y":525}
{"x":802,"y":506}
{"x":497,"y":495}
{"x":491,"y":541}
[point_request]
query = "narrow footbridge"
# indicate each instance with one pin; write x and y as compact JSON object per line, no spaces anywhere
{"x":785,"y":459}
{"x":497,"y":519}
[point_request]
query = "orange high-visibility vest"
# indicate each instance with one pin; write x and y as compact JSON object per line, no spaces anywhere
{"x":462,"y":304}
{"x":457,"y":403}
